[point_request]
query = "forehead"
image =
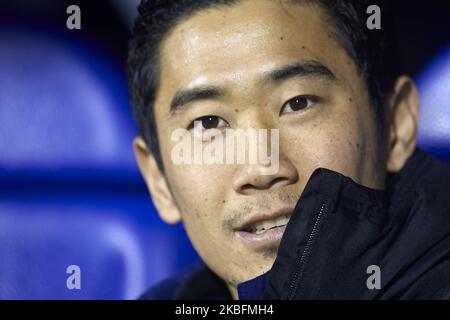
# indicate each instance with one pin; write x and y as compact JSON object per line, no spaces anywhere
{"x":243,"y":41}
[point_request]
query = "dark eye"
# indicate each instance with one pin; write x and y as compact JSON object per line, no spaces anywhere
{"x":209,"y":122}
{"x":298,"y":104}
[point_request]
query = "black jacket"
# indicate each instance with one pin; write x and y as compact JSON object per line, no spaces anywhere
{"x":339,"y":229}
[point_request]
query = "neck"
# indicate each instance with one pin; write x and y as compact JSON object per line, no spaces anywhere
{"x":233,"y":292}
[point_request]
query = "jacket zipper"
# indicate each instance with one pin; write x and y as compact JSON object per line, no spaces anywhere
{"x":301,"y":262}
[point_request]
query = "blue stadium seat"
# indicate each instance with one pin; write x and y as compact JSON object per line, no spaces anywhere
{"x":70,"y":190}
{"x":434,"y":128}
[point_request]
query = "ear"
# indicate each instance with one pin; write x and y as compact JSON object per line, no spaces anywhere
{"x":156,"y":183}
{"x":403,"y":108}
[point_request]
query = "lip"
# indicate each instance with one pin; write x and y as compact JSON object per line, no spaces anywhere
{"x":267,"y":238}
{"x":268,"y":216}
{"x":262,"y":240}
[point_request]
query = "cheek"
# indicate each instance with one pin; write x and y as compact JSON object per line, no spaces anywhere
{"x":200,"y":198}
{"x":194,"y":187}
{"x":199,"y":211}
{"x":203,"y":202}
{"x":200,"y":182}
{"x":336,"y":145}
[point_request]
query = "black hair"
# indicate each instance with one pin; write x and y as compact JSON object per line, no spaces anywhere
{"x":368,"y":49}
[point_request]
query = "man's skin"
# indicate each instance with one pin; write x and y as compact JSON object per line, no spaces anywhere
{"x":235,"y":48}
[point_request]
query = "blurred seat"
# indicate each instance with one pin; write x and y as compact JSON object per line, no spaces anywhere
{"x":70,"y":191}
{"x":434,"y":89}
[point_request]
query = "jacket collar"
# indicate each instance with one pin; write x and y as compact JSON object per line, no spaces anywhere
{"x":338,"y":229}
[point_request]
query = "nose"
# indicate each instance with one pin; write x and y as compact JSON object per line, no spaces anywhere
{"x":253,"y":178}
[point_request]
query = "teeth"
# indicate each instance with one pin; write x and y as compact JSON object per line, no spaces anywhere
{"x":263,"y":226}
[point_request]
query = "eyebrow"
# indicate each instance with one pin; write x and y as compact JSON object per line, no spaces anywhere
{"x":306,"y":69}
{"x":187,"y":96}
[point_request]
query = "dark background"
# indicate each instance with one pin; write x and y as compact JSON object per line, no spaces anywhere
{"x":422,"y":26}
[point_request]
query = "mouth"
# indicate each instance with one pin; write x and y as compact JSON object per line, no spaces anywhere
{"x":264,"y":230}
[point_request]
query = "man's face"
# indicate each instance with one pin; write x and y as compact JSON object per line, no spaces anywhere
{"x":320,"y":106}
